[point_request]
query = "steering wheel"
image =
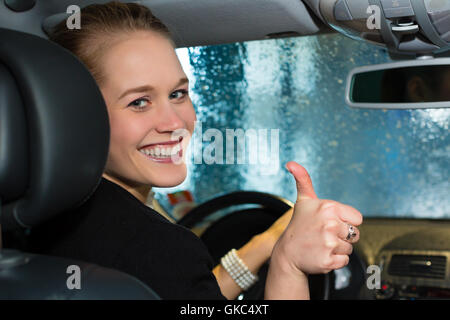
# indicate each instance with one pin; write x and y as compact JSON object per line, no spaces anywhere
{"x":238,"y":227}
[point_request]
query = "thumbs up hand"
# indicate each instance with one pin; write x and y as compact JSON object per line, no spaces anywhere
{"x":318,"y":239}
{"x":319,"y":236}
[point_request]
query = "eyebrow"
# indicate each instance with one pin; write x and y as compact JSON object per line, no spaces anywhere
{"x":147,"y":88}
{"x":182,"y":81}
{"x":134,"y":90}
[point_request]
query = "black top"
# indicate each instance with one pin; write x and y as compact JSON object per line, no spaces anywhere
{"x":115,"y":230}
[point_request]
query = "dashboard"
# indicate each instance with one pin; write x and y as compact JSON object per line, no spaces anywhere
{"x":397,"y":259}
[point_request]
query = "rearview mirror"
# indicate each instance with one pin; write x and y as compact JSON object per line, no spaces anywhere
{"x":416,"y":84}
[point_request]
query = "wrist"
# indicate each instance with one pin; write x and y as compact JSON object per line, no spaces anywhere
{"x":265,"y":243}
{"x":284,"y":265}
{"x":285,"y":281}
{"x":238,"y":270}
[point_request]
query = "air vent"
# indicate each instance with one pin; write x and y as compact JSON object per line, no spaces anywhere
{"x":418,"y":266}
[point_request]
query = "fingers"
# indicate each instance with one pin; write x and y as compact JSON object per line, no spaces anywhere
{"x":335,"y":238}
{"x":345,"y":233}
{"x":343,"y":248}
{"x":341,"y":230}
{"x":305,"y":188}
{"x":350,"y":215}
{"x":354,"y":237}
{"x":335,"y":261}
{"x":339,"y":261}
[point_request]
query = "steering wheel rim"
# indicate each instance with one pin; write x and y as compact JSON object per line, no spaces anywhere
{"x":249,"y":222}
{"x":277,"y":205}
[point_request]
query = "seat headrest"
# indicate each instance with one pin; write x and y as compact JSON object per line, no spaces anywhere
{"x":54,"y":130}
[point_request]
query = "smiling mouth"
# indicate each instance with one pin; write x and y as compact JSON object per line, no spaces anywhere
{"x":163,"y":151}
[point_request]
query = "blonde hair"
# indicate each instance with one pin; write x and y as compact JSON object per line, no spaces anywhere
{"x":102,"y":25}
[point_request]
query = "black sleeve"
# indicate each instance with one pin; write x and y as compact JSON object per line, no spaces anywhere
{"x":115,"y":230}
{"x":185,"y":269}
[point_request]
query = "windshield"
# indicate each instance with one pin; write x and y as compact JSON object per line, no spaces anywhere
{"x":392,"y":163}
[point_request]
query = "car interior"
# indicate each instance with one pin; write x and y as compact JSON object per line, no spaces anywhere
{"x":39,"y":140}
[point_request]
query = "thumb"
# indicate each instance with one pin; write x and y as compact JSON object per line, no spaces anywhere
{"x":305,"y":189}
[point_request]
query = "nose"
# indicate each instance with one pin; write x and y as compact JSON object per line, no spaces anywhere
{"x":169,"y":119}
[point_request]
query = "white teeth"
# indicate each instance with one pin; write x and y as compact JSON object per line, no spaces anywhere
{"x":162,"y":152}
{"x":176,"y":149}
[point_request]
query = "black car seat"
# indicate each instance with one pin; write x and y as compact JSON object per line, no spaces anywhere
{"x":54,"y":136}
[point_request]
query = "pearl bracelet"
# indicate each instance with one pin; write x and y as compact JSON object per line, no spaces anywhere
{"x":238,"y":271}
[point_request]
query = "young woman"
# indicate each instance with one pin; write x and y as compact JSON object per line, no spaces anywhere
{"x":131,"y":56}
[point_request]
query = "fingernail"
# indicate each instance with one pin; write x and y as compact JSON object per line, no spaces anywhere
{"x":286,"y":166}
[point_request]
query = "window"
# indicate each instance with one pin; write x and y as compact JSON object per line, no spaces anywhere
{"x":384,"y":163}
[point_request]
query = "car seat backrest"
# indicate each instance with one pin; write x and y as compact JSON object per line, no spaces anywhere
{"x":55,"y":127}
{"x":54,"y":136}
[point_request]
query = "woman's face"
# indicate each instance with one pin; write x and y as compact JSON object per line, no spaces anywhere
{"x":146,"y":93}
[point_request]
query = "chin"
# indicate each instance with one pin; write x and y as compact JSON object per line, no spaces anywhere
{"x":169,"y":177}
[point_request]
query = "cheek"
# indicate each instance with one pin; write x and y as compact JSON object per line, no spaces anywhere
{"x":126,"y":133}
{"x":189,"y":117}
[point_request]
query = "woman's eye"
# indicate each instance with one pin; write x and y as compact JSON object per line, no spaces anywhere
{"x":179,"y":94}
{"x":139,"y":104}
